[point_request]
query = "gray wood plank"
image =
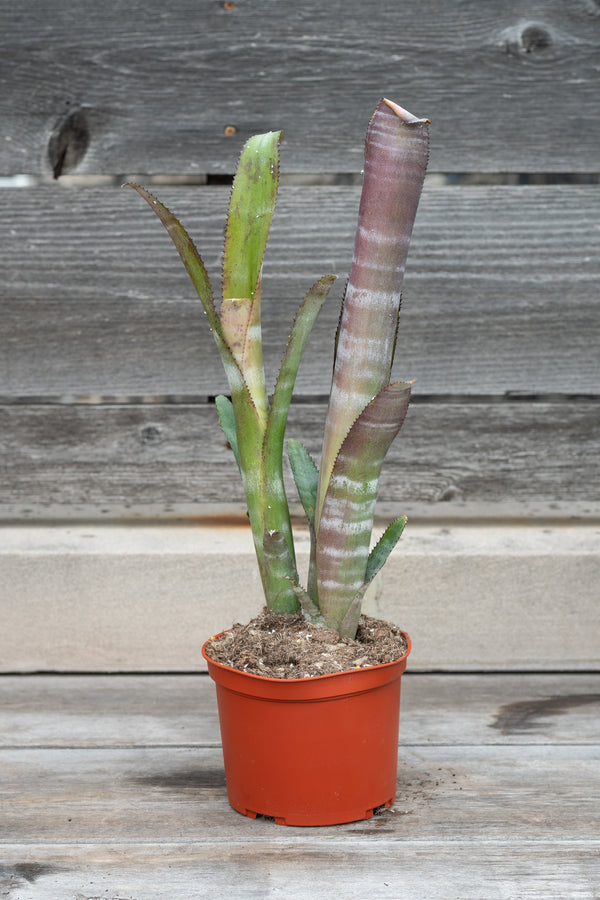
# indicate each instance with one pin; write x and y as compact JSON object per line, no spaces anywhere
{"x":115,"y":87}
{"x":157,"y":710}
{"x":500,"y":294}
{"x":375,"y":867}
{"x":166,"y":459}
{"x":158,"y":794}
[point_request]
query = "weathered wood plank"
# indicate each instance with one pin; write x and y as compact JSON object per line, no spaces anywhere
{"x":137,"y":795}
{"x":165,"y":459}
{"x":500,"y":295}
{"x":155,"y":90}
{"x":376,"y":867}
{"x":116,"y":598}
{"x":152,"y":710}
{"x":136,"y":821}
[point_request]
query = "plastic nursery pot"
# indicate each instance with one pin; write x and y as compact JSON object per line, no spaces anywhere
{"x":310,"y":751}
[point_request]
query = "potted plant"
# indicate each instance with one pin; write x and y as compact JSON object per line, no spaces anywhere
{"x":315,"y":746}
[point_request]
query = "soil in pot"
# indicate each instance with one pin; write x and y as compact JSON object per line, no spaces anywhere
{"x":287,"y":646}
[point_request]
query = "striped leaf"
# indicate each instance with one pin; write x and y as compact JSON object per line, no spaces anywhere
{"x":395,"y":162}
{"x":346,"y":523}
{"x":377,"y":558}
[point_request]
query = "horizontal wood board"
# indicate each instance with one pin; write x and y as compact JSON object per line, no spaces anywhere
{"x":83,"y":795}
{"x":114,"y":87}
{"x":315,"y":867}
{"x":472,"y":818}
{"x":120,"y":711}
{"x":141,"y":597}
{"x":168,"y":458}
{"x":501,"y":292}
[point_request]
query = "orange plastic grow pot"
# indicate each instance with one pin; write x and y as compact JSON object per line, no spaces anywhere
{"x":310,"y":751}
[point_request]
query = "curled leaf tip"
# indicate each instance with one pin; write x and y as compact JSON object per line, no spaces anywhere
{"x":403,"y":114}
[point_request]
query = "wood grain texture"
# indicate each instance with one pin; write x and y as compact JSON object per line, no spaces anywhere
{"x":377,"y":867}
{"x":91,"y":795}
{"x":86,"y":711}
{"x":138,"y":807}
{"x":168,"y":458}
{"x":500,"y":293}
{"x":120,"y":87}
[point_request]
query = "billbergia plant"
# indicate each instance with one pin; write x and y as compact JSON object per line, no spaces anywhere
{"x":365,"y":410}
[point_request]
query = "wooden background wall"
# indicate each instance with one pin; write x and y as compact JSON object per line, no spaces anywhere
{"x":119,"y":499}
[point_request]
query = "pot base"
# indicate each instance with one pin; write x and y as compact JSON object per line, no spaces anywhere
{"x":309,"y":819}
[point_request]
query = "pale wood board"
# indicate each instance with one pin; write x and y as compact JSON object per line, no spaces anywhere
{"x":123,"y":598}
{"x":170,"y":458}
{"x":508,"y":88}
{"x":374,"y":867}
{"x":95,"y":711}
{"x":512,"y":818}
{"x":500,"y":293}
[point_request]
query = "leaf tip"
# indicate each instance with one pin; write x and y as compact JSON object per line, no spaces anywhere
{"x":404,"y":115}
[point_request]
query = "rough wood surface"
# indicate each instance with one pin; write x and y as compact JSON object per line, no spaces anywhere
{"x":92,"y":795}
{"x":377,"y":867}
{"x":500,"y":293}
{"x":170,"y":458}
{"x":113,"y":87}
{"x":120,"y":711}
{"x":514,"y":817}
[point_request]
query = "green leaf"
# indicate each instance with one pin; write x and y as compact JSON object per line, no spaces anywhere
{"x":251,"y":209}
{"x":281,"y":573}
{"x":310,"y":610}
{"x":349,"y":623}
{"x":187,"y":251}
{"x":306,"y":477}
{"x":384,"y":547}
{"x":284,"y":387}
{"x":227,"y":422}
{"x":250,"y":215}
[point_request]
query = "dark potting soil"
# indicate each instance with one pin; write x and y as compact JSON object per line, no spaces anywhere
{"x":287,"y":646}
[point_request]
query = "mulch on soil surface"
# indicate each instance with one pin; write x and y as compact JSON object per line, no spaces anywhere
{"x":287,"y":646}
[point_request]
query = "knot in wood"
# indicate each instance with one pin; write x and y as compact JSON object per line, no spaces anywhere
{"x":535,"y":39}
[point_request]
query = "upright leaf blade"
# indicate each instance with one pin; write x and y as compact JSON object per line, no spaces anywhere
{"x":187,"y":251}
{"x":251,"y":209}
{"x":383,"y":548}
{"x":395,"y":162}
{"x":227,"y":421}
{"x":306,"y":477}
{"x":344,"y":534}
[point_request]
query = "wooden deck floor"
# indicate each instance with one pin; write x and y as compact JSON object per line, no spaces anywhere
{"x":112,"y":787}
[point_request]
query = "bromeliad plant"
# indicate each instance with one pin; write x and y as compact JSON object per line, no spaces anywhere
{"x":365,"y":410}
